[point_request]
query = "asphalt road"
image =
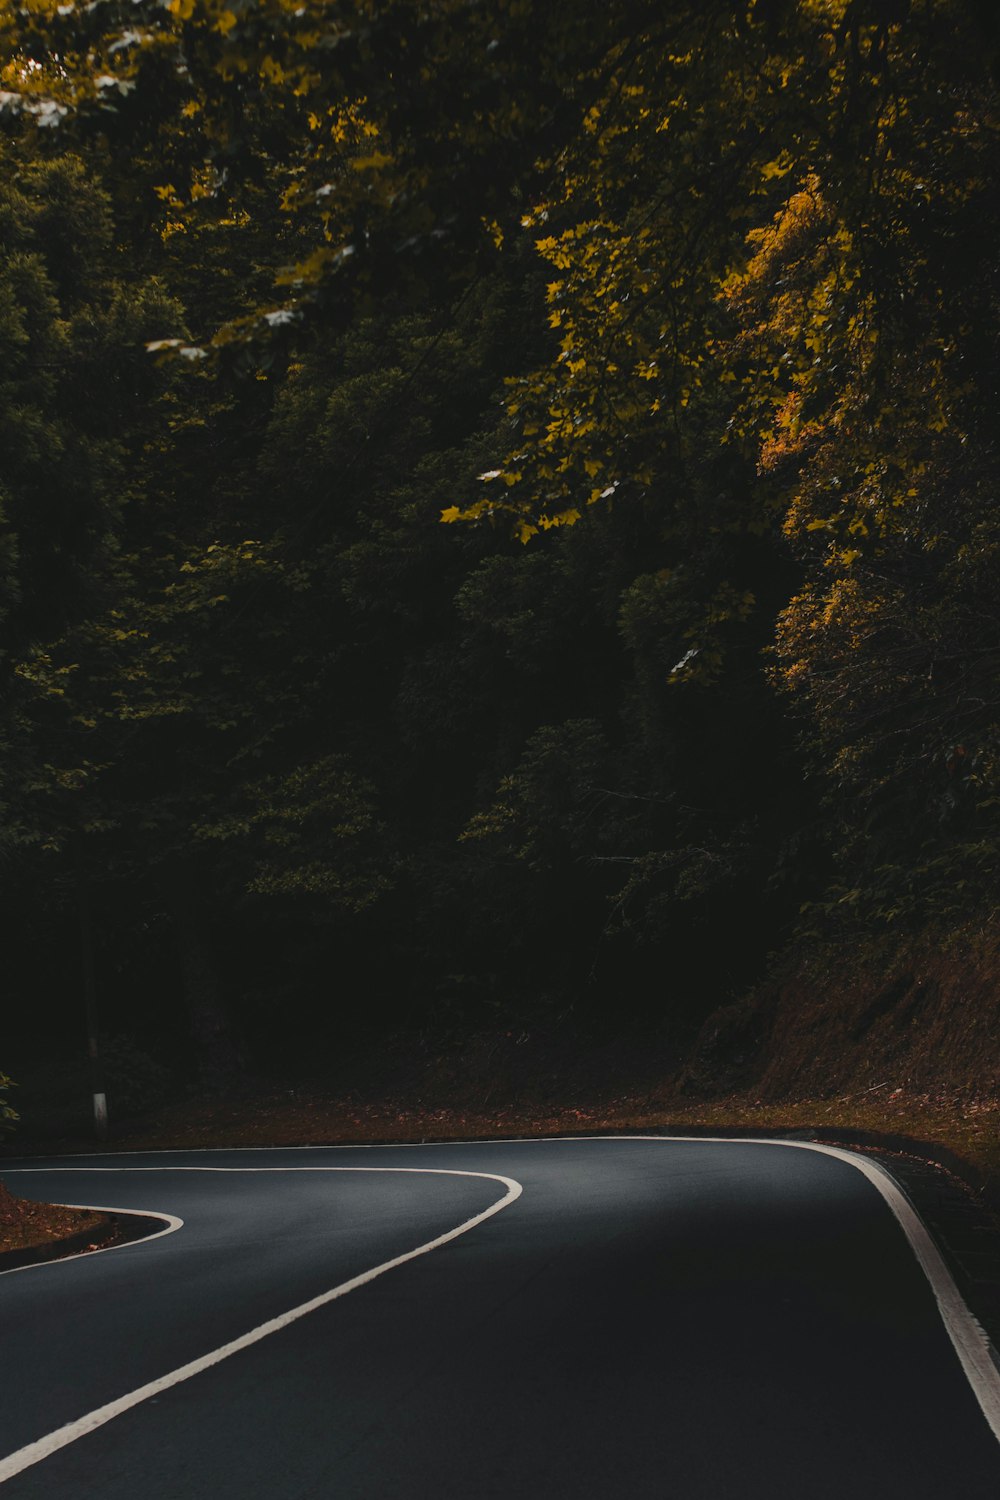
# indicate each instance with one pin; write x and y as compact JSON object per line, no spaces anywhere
{"x":647,"y":1317}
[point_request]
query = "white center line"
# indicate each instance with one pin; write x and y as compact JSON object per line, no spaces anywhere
{"x":33,"y":1453}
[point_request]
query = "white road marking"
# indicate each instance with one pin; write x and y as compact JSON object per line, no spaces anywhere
{"x":171,"y":1222}
{"x":33,"y":1453}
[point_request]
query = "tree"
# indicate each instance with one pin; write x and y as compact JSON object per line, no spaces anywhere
{"x":8,"y":1114}
{"x":681,"y":318}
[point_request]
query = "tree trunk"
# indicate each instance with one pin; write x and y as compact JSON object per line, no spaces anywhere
{"x":219,"y":1057}
{"x":89,"y":977}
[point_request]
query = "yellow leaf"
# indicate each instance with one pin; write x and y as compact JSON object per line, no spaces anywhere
{"x":373,"y":163}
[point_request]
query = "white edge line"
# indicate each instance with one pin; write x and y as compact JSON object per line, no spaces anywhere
{"x":969,"y":1340}
{"x":33,"y":1453}
{"x":170,"y":1221}
{"x":971,"y":1344}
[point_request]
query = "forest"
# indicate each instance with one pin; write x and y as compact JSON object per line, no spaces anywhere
{"x":497,"y":517}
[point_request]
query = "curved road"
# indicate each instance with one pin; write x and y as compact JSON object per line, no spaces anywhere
{"x":614,"y":1318}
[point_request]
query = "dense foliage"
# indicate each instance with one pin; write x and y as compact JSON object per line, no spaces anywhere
{"x":681,"y":318}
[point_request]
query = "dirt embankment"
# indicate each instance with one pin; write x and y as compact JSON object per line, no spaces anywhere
{"x":25,"y":1225}
{"x":917,"y":1015}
